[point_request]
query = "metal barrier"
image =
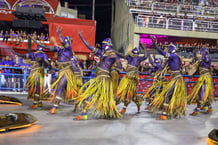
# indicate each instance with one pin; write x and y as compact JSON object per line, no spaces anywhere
{"x":150,"y":21}
{"x":206,"y":26}
{"x":12,"y":76}
{"x":180,"y":24}
{"x":176,"y":24}
{"x":143,"y":83}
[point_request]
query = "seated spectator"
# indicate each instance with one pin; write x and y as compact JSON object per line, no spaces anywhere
{"x":18,"y":38}
{"x":2,"y":34}
{"x":24,"y":35}
{"x":6,"y":36}
{"x":34,"y":35}
{"x":47,"y":37}
{"x":12,"y":36}
{"x":42,"y":37}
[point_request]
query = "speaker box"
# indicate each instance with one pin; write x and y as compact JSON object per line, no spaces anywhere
{"x":28,"y":13}
{"x":27,"y":23}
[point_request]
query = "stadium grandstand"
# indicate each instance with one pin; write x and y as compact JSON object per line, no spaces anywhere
{"x":188,"y":23}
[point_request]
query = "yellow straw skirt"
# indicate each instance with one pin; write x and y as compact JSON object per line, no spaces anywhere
{"x":115,"y":81}
{"x":177,"y":104}
{"x":99,"y":96}
{"x":127,"y":87}
{"x":71,"y":89}
{"x":36,"y":75}
{"x":208,"y":92}
{"x":79,"y":81}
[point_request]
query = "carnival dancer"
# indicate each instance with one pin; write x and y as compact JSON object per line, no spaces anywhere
{"x":126,"y":91}
{"x":173,"y":95}
{"x":203,"y":92}
{"x":65,"y":87}
{"x":78,"y":74}
{"x":35,"y":81}
{"x":99,"y":91}
{"x":159,"y":80}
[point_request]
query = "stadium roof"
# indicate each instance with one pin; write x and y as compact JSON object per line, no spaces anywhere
{"x":52,"y":3}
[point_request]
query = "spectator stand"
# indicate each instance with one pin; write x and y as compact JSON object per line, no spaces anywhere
{"x":173,"y":8}
{"x":176,"y":24}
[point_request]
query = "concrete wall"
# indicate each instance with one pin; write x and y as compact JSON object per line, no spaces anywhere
{"x":66,"y":12}
{"x":178,"y":33}
{"x":122,"y":31}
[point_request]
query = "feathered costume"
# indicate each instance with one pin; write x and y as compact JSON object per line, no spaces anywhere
{"x":203,"y":92}
{"x":98,"y":96}
{"x":173,"y":95}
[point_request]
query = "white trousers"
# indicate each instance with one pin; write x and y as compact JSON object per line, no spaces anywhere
{"x":47,"y":82}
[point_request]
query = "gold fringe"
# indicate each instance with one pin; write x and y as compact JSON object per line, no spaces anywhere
{"x":127,"y":87}
{"x":79,"y":82}
{"x":178,"y":103}
{"x":208,"y":93}
{"x":36,"y":75}
{"x":71,"y":90}
{"x":115,"y":81}
{"x":158,"y":81}
{"x":99,"y":97}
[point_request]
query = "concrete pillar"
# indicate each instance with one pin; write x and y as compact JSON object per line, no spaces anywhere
{"x":136,"y":40}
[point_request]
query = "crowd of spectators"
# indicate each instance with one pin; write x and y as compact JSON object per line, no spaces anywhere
{"x":179,"y":16}
{"x":178,"y":22}
{"x":209,"y":3}
{"x":10,"y":73}
{"x":20,"y":35}
{"x":204,"y":16}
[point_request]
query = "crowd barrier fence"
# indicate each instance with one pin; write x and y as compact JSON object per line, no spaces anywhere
{"x":143,"y":84}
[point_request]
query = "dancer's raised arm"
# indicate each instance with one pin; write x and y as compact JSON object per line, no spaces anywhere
{"x":49,"y":48}
{"x":96,"y":51}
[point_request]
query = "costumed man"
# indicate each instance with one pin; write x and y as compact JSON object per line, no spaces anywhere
{"x":65,"y":87}
{"x":127,"y":88}
{"x":35,"y":81}
{"x":173,"y":95}
{"x":98,"y":95}
{"x":203,"y":92}
{"x":159,"y":79}
{"x":78,"y":74}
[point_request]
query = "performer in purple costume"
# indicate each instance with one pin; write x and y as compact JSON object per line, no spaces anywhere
{"x":99,"y":92}
{"x":127,"y":88}
{"x":65,"y":85}
{"x":35,"y":80}
{"x":159,"y":80}
{"x":203,"y":92}
{"x":173,"y":95}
